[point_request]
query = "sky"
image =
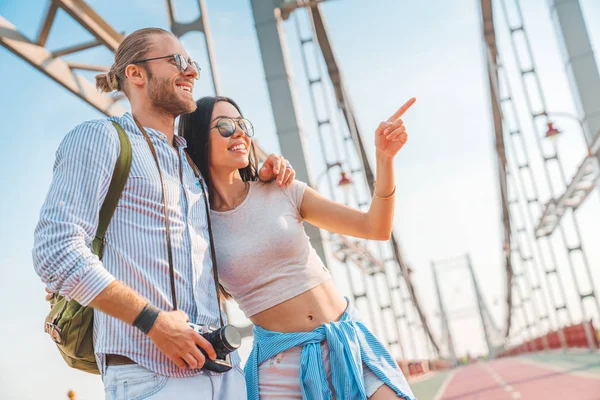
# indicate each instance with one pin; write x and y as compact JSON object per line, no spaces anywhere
{"x":448,"y":197}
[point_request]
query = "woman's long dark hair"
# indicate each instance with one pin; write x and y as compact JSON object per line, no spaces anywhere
{"x":195,"y":128}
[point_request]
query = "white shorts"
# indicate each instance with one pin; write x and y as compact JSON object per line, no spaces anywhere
{"x":279,"y":377}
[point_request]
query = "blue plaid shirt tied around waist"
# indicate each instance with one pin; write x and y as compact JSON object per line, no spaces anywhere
{"x":350,"y":345}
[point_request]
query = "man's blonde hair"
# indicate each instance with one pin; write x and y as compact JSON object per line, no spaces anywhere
{"x":134,"y":47}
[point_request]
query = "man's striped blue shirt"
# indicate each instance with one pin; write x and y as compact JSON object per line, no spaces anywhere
{"x":135,"y":251}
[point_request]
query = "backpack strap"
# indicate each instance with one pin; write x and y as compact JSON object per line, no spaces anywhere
{"x":117,"y":183}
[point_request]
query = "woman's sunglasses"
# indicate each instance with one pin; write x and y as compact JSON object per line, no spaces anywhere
{"x":180,"y":61}
{"x":227,"y":128}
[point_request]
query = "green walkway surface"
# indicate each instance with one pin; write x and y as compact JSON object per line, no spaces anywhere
{"x":571,"y":361}
{"x":427,"y":388}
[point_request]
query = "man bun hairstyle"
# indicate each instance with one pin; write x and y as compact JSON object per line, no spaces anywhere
{"x":134,"y":47}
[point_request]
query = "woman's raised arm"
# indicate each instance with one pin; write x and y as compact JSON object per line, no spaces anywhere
{"x":376,"y":223}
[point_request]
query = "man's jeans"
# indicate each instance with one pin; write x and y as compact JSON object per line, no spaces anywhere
{"x":134,"y":382}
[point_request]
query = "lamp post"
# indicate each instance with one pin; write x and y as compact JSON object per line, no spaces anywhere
{"x":344,"y":182}
{"x":552,"y":132}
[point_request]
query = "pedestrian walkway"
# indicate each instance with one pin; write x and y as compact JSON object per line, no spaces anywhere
{"x":545,"y":376}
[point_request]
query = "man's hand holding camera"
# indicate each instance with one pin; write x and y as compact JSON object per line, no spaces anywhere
{"x":174,"y":337}
{"x":183,"y":343}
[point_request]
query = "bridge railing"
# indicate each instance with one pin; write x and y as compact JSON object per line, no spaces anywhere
{"x":574,"y":336}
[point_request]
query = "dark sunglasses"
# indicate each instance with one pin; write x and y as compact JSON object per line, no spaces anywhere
{"x":226,"y":126}
{"x":180,"y":61}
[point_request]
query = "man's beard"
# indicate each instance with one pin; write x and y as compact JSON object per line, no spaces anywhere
{"x":164,"y":96}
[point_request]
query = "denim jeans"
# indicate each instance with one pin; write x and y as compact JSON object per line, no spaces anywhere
{"x":134,"y":382}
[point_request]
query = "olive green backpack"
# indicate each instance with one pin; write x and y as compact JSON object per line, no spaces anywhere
{"x":70,"y":324}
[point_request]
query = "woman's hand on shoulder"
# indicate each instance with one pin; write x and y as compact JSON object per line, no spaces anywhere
{"x":391,"y":135}
{"x":278,"y":168}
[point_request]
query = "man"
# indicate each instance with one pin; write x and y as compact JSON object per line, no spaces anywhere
{"x":132,"y":282}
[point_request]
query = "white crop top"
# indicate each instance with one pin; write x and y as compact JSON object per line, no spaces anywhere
{"x":264,"y":256}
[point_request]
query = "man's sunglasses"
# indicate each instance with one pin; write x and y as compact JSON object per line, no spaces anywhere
{"x":227,"y":128}
{"x":180,"y":61}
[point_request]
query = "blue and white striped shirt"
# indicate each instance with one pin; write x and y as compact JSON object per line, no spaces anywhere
{"x":351,"y":345}
{"x":135,"y":251}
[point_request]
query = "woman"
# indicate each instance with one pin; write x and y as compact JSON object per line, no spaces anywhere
{"x":308,"y":341}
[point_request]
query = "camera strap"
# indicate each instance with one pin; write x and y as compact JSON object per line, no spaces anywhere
{"x":167,"y":226}
{"x":213,"y":254}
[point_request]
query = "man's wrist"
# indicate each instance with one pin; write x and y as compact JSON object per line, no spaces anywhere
{"x":146,"y":318}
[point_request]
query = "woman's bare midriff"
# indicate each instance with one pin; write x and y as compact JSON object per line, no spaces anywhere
{"x":304,"y":312}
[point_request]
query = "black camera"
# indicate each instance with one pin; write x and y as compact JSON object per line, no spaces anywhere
{"x":224,"y":340}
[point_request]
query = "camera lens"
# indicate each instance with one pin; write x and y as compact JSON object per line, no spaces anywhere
{"x":230,"y":337}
